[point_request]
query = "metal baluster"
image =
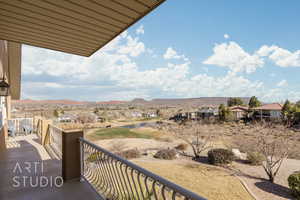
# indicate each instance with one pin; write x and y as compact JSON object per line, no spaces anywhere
{"x":114,"y":178}
{"x":153,"y":188}
{"x":125,"y":182}
{"x":120,"y":179}
{"x":139,"y":181}
{"x":132,"y":177}
{"x":126,"y":169}
{"x":147,"y":189}
{"x":174,"y":195}
{"x":163,"y":192}
{"x":81,"y":161}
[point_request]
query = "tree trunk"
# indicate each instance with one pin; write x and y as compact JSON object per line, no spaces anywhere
{"x":271,"y":178}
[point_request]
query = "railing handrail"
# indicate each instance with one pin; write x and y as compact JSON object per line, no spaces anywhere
{"x":21,"y":118}
{"x":168,"y":184}
{"x":53,"y":126}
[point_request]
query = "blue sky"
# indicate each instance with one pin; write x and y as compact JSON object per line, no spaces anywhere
{"x":195,"y":49}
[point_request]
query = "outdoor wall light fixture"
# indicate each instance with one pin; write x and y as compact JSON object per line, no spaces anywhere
{"x":4,"y":87}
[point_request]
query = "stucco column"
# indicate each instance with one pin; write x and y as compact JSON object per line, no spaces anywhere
{"x":71,"y":154}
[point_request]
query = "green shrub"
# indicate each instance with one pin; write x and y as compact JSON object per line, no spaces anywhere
{"x":255,"y":158}
{"x":166,"y":154}
{"x":130,"y":154}
{"x":294,"y":184}
{"x":93,"y":157}
{"x":220,"y":156}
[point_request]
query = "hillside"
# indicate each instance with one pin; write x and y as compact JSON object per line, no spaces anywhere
{"x":61,"y":102}
{"x":201,"y":101}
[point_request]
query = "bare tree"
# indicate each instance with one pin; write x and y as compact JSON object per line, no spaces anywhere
{"x":272,"y":142}
{"x":117,"y":146}
{"x":274,"y":150}
{"x":86,"y":118}
{"x":198,"y":136}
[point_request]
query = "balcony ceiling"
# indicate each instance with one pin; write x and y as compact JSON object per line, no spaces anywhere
{"x":78,"y":27}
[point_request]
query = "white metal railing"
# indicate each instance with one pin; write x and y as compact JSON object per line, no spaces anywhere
{"x":53,"y":141}
{"x":20,"y":126}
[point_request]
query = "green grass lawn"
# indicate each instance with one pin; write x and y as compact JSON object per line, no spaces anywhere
{"x":110,"y":133}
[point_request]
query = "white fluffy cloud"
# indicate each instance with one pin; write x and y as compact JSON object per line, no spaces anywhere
{"x":226,"y":36}
{"x":140,"y":30}
{"x":232,"y":56}
{"x":133,"y":47}
{"x":113,"y":73}
{"x":281,"y":57}
{"x":172,"y":54}
{"x":282,"y":83}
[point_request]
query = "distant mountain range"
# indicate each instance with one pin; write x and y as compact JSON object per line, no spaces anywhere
{"x":64,"y":102}
{"x":201,"y":101}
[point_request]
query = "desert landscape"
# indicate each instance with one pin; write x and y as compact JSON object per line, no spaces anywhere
{"x":228,"y":154}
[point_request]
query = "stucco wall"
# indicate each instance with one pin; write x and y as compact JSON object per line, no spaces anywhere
{"x":3,"y":67}
{"x":3,"y":57}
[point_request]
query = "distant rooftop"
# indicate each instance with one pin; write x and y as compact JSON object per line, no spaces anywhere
{"x":271,"y":106}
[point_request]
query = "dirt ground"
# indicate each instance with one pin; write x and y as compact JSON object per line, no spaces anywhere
{"x":205,"y":179}
{"x":210,"y":182}
{"x":255,"y":178}
{"x":134,"y":143}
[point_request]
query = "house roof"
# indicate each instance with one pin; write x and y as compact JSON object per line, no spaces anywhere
{"x":74,"y":26}
{"x":208,"y":110}
{"x":271,"y":106}
{"x":239,"y":108}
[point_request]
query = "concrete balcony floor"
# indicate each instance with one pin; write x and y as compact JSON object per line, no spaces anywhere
{"x":22,"y":165}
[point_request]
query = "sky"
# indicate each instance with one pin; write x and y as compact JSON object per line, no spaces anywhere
{"x":209,"y":48}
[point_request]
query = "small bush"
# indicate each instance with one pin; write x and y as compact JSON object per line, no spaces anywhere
{"x":166,"y":154}
{"x":94,"y":157}
{"x":294,"y":184}
{"x":220,"y":156}
{"x":130,"y":154}
{"x":182,"y":147}
{"x":255,"y":158}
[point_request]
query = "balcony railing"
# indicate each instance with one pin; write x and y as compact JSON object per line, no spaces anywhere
{"x":20,"y":126}
{"x":53,"y":141}
{"x":113,"y":177}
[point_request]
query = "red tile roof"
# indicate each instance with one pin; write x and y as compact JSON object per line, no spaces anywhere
{"x":239,"y":108}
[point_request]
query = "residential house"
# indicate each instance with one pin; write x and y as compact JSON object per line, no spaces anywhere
{"x":149,"y":115}
{"x":67,"y":118}
{"x":268,"y":111}
{"x":207,"y":112}
{"x":179,"y":117}
{"x":136,"y":114}
{"x":239,"y":112}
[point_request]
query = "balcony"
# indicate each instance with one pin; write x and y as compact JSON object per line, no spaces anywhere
{"x":26,"y":150}
{"x":40,"y":150}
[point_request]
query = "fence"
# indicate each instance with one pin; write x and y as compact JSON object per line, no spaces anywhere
{"x":116,"y":178}
{"x":20,"y":126}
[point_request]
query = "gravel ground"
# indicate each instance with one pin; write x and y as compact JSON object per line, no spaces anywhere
{"x":255,"y":178}
{"x":132,"y":143}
